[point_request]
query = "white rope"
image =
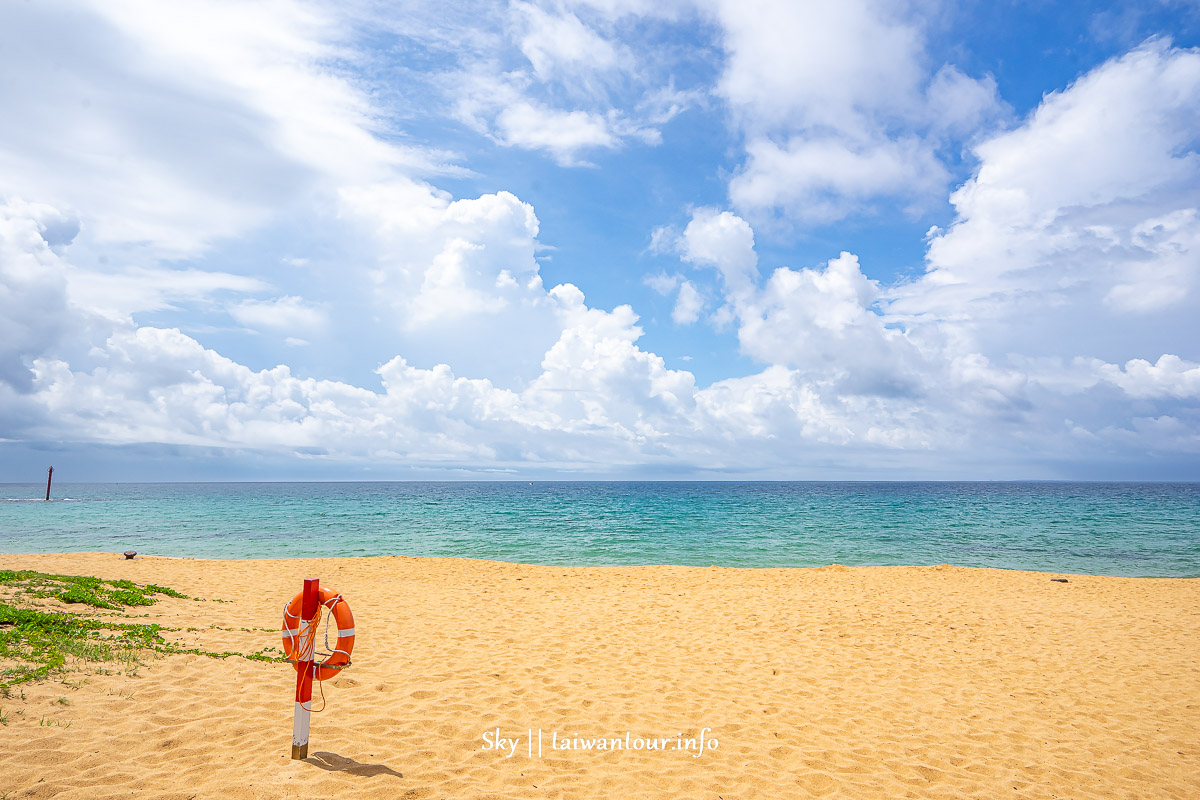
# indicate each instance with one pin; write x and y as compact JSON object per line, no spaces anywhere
{"x":293,"y":634}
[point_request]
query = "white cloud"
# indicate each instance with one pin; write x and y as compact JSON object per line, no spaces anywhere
{"x":1170,"y":376}
{"x":664,"y":104}
{"x":812,"y":64}
{"x":663,"y":283}
{"x":572,"y":80}
{"x":1060,"y":249}
{"x":286,"y":313}
{"x":119,"y":295}
{"x":500,"y":107}
{"x":559,"y":44}
{"x":563,"y":133}
{"x":1115,"y":133}
{"x":178,"y":124}
{"x":723,"y":240}
{"x":444,"y":260}
{"x":1079,"y":223}
{"x":822,"y":180}
{"x":34,"y":310}
{"x":599,"y":399}
{"x":453,"y":275}
{"x":688,"y":304}
{"x":959,"y":104}
{"x":837,"y":106}
{"x":820,"y":321}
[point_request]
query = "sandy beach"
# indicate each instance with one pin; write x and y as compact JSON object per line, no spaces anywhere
{"x":880,"y":682}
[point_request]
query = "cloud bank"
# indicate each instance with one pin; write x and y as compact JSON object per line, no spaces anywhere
{"x":1052,"y":330}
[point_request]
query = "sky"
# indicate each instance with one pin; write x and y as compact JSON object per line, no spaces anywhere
{"x":599,"y":239}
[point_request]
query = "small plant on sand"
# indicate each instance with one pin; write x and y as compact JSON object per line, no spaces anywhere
{"x":131,"y":660}
{"x":37,"y":643}
{"x":3,"y":717}
{"x":41,"y":642}
{"x":54,"y":723}
{"x":84,"y":589}
{"x":267,"y":654}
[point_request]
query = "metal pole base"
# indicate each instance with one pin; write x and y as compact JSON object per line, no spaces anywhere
{"x":299,"y":751}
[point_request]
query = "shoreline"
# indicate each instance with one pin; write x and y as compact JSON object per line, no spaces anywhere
{"x":831,"y":566}
{"x":865,"y":682}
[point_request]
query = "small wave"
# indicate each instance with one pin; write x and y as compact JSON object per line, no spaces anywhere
{"x":57,"y":500}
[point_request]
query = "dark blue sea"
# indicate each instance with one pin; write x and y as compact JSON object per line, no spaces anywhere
{"x":1141,"y":529}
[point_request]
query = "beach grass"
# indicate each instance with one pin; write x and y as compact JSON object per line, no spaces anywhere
{"x":84,"y":589}
{"x":36,"y":643}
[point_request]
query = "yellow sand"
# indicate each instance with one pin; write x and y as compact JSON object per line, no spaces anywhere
{"x":858,"y":683}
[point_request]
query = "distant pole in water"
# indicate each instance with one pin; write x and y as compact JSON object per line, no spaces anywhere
{"x":49,"y":477}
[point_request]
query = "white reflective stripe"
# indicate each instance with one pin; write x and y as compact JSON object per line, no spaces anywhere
{"x":344,"y":632}
{"x":291,"y":632}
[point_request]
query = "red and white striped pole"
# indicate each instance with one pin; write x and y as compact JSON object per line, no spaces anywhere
{"x":304,"y":675}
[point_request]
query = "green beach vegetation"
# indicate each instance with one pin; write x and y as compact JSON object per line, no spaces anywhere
{"x":36,"y":643}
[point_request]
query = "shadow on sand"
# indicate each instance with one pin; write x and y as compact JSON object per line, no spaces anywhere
{"x":335,"y":763}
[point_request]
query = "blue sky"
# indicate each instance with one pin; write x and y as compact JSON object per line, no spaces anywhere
{"x":599,"y":239}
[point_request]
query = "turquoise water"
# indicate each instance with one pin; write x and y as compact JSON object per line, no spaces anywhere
{"x":1098,"y":528}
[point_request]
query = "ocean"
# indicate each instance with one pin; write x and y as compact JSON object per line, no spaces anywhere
{"x":1135,"y":529}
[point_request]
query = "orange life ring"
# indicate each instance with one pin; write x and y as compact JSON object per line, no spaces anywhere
{"x":292,"y":628}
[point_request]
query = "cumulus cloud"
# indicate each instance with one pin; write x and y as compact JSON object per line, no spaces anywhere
{"x":825,"y":323}
{"x":821,"y":321}
{"x":34,"y":309}
{"x":837,"y":106}
{"x":599,"y":397}
{"x":599,"y":401}
{"x":443,"y":259}
{"x":458,"y":273}
{"x":722,"y":240}
{"x":1079,"y":223}
{"x":1034,"y":297}
{"x":1170,"y":376}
